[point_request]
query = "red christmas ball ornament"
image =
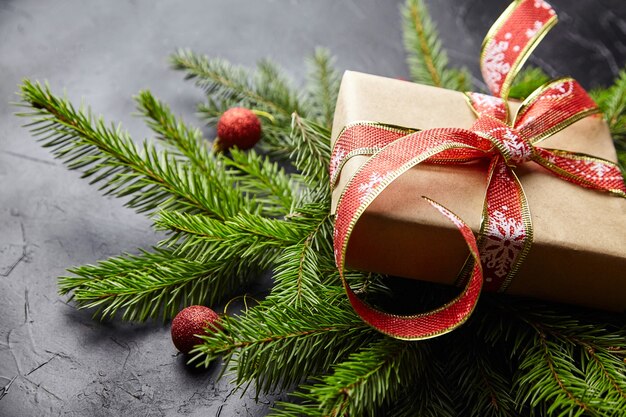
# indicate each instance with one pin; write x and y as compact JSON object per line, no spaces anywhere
{"x":238,"y":127}
{"x":189,"y":322}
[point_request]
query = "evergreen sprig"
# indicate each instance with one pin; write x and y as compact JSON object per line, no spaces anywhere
{"x":108,"y":156}
{"x":151,"y":284}
{"x":527,"y":81}
{"x":323,"y":87}
{"x":426,"y":59}
{"x":612,"y":101}
{"x":230,"y":217}
{"x":264,"y":181}
{"x":179,"y":138}
{"x":266,"y":89}
{"x":371,"y":377}
{"x":245,"y":235}
{"x":278,"y":346}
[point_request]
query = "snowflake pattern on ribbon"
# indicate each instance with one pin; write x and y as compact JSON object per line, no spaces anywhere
{"x":519,"y":150}
{"x":598,"y":168}
{"x":559,"y":91}
{"x":541,"y":4}
{"x":336,"y":160}
{"x":533,"y":31}
{"x":367,"y":188}
{"x":487,"y":102}
{"x":505,"y":239}
{"x":495,"y":67}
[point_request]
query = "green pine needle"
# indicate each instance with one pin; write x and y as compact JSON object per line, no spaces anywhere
{"x":280,"y":346}
{"x":527,"y":81}
{"x":264,"y":181}
{"x":245,"y":236}
{"x":612,"y":101}
{"x":427,"y":60}
{"x":180,"y":139}
{"x":266,"y":90}
{"x":311,"y":151}
{"x":149,"y":285}
{"x":323,"y":87}
{"x":108,"y":156}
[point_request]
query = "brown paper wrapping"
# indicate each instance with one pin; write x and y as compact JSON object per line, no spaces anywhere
{"x":578,"y":254}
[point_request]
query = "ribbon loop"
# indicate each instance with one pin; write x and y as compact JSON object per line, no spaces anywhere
{"x":507,"y":46}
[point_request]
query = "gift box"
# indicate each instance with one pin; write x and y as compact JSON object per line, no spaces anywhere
{"x":578,"y":254}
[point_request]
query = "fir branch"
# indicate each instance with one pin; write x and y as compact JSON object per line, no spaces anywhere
{"x":323,"y":86}
{"x":527,"y":81}
{"x":185,"y":141}
{"x":310,"y":151}
{"x":369,"y":378}
{"x":244,"y":236}
{"x":150,"y":284}
{"x":388,"y":378}
{"x":482,"y":375}
{"x":263,"y":180}
{"x":277,"y":346}
{"x":297,"y":278}
{"x":612,"y":102}
{"x":108,"y":155}
{"x":303,"y":269}
{"x":430,"y":396}
{"x":266,"y":90}
{"x":567,"y":366}
{"x":427,"y":60}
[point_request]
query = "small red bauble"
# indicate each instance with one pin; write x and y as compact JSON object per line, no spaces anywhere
{"x":189,"y":322}
{"x":238,"y":127}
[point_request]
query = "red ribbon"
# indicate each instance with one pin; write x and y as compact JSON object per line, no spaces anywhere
{"x":506,"y":231}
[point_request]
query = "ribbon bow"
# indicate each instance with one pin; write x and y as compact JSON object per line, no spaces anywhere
{"x":505,"y":236}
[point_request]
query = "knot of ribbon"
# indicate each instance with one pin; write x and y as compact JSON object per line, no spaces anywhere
{"x":505,"y":236}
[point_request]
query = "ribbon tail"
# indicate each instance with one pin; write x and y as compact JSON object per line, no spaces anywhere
{"x":582,"y":169}
{"x":432,"y":323}
{"x":506,"y":232}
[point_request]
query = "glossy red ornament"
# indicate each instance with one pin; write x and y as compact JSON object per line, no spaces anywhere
{"x":238,"y":127}
{"x":192,"y":321}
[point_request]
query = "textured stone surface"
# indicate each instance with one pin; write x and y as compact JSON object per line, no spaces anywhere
{"x":69,"y":365}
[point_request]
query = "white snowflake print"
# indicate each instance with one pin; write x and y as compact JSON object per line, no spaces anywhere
{"x":550,"y":157}
{"x":494,"y":67}
{"x":367,"y":188}
{"x":336,"y":160}
{"x":541,"y":4}
{"x":533,"y":31}
{"x":505,"y":240}
{"x":558,"y":91}
{"x":486,"y":101}
{"x":598,"y":168}
{"x":519,"y":150}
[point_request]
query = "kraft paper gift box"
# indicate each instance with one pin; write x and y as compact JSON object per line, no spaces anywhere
{"x":578,"y":254}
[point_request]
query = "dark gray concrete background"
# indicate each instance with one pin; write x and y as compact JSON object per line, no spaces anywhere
{"x":103,"y":53}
